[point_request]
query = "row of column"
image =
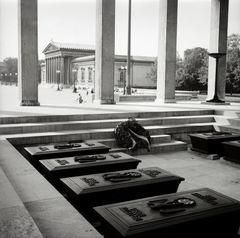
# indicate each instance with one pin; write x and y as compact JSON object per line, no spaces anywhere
{"x":53,"y":65}
{"x":105,"y":44}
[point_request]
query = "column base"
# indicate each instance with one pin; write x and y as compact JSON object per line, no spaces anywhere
{"x":216,"y":103}
{"x":162,"y":101}
{"x":29,"y":103}
{"x":107,"y":101}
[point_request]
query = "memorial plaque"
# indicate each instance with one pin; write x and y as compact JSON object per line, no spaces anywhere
{"x":82,"y":191}
{"x":211,"y":215}
{"x":232,"y":151}
{"x":59,"y":150}
{"x":210,"y":143}
{"x":88,"y":164}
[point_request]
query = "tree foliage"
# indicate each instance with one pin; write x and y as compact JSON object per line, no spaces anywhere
{"x":10,"y":66}
{"x":152,"y":75}
{"x":191,"y":72}
{"x":233,"y":64}
{"x":192,"y":69}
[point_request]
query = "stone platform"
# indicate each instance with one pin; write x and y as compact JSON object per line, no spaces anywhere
{"x":47,"y":208}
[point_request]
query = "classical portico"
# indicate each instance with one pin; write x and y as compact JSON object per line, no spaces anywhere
{"x":57,"y":58}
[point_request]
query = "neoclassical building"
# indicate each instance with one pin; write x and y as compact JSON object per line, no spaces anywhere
{"x":70,"y":64}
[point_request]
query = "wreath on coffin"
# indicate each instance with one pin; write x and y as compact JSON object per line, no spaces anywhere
{"x":130,"y":134}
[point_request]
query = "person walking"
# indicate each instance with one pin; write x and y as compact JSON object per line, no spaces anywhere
{"x":80,"y":98}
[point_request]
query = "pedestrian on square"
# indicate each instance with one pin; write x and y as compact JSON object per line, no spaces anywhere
{"x":80,"y":98}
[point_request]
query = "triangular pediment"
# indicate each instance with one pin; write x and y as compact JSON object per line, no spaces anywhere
{"x":50,"y":47}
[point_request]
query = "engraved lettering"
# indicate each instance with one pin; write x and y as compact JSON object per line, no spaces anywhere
{"x":134,"y":213}
{"x":151,"y":173}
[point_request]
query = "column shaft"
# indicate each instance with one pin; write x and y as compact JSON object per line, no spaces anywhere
{"x":218,"y":44}
{"x":28,"y":53}
{"x":167,"y":45}
{"x":62,"y":70}
{"x":104,"y":61}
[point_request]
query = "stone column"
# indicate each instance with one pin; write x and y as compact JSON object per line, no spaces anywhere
{"x":218,"y":44}
{"x":54,"y":71}
{"x":104,"y":54}
{"x":28,"y":53}
{"x":46,"y":70}
{"x":167,"y":48}
{"x":62,"y":70}
{"x":51,"y":70}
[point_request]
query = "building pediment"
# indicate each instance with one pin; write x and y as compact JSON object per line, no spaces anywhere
{"x":51,"y":47}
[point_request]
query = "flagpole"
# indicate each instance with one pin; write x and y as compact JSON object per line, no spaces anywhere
{"x":129,"y":51}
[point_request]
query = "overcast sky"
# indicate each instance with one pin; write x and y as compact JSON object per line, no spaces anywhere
{"x":73,"y":21}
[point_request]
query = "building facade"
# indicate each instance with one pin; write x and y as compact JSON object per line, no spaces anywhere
{"x":74,"y":64}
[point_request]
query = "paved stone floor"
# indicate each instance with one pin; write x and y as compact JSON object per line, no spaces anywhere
{"x":199,"y":172}
{"x":220,"y":175}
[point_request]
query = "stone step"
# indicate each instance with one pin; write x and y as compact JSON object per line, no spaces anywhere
{"x":234,"y":121}
{"x":99,"y":134}
{"x":230,"y":128}
{"x":155,"y":148}
{"x":15,"y":219}
{"x":123,"y":115}
{"x":154,"y":139}
{"x":97,"y":124}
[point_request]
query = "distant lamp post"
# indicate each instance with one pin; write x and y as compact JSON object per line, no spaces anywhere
{"x":58,"y":79}
{"x":10,"y":79}
{"x":216,"y":56}
{"x":93,"y":90}
{"x":124,"y":69}
{"x":74,"y":71}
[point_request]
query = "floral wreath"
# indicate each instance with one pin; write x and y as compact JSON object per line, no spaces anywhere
{"x":130,"y":134}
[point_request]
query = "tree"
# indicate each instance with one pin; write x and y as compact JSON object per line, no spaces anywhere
{"x":192,"y":71}
{"x":9,"y":69}
{"x":153,"y":73}
{"x":233,"y":41}
{"x":233,"y":64}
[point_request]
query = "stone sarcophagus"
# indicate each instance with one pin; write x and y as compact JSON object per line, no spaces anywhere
{"x":195,"y":213}
{"x":87,"y":191}
{"x":57,"y":168}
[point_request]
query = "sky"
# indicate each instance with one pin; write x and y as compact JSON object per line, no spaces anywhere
{"x":73,"y":21}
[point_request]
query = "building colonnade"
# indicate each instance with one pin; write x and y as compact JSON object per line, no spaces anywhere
{"x":53,"y":65}
{"x":104,"y":53}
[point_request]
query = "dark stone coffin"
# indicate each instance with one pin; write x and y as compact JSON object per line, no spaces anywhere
{"x":57,"y":168}
{"x":232,"y":151}
{"x":48,"y":151}
{"x":84,"y":192}
{"x":210,"y":143}
{"x":214,"y":215}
